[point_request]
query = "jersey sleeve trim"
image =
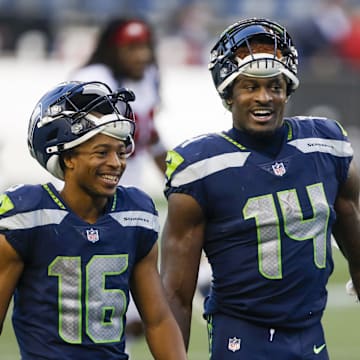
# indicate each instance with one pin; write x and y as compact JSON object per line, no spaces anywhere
{"x":33,"y":219}
{"x":208,"y":166}
{"x":137,"y":219}
{"x":5,"y":204}
{"x":173,"y":160}
{"x":338,"y":148}
{"x":56,"y":200}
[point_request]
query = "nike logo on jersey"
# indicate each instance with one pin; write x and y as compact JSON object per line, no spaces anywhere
{"x":318,"y":349}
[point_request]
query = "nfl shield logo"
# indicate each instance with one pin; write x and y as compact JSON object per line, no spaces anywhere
{"x":234,"y":344}
{"x":92,"y":235}
{"x":279,"y":169}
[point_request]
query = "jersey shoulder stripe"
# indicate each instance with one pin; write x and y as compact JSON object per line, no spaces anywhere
{"x":27,"y":198}
{"x":310,"y":134}
{"x":137,"y":219}
{"x":338,"y":148}
{"x":29,"y":206}
{"x":207,"y":154}
{"x":209,"y":166}
{"x":31,"y":219}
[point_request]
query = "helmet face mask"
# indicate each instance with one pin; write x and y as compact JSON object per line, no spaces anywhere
{"x":72,"y":113}
{"x":226,"y":64}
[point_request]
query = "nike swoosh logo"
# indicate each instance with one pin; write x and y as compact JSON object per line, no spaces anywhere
{"x":318,"y":349}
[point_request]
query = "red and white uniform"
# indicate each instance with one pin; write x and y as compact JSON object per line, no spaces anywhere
{"x":147,"y":101}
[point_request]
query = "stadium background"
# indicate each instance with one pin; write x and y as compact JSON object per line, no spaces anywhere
{"x":39,"y":46}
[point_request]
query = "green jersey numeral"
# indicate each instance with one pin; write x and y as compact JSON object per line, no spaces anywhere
{"x":104,"y":308}
{"x":263,"y":210}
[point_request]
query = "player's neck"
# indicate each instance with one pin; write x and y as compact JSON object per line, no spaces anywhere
{"x":88,"y":208}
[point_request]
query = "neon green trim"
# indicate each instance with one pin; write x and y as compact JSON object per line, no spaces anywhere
{"x":113,"y":207}
{"x":57,"y":201}
{"x":290,"y":132}
{"x":5,"y":204}
{"x":229,"y":139}
{"x":344,"y":132}
{"x":173,"y":160}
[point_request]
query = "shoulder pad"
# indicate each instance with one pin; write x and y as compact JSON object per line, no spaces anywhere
{"x":20,"y":198}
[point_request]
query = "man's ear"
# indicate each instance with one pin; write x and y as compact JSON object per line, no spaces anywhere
{"x":67,"y":160}
{"x":227,"y":103}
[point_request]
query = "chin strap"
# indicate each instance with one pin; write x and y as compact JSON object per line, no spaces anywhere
{"x":54,"y":168}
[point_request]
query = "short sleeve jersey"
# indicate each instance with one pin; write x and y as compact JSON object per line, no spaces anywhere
{"x":73,"y":295}
{"x":269,"y":209}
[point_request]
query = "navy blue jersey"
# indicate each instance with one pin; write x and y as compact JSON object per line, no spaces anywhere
{"x":72,"y":297}
{"x":269,"y":206}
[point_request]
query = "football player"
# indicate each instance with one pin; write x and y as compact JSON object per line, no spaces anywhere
{"x":262,"y":199}
{"x":124,"y":56}
{"x":71,"y":257}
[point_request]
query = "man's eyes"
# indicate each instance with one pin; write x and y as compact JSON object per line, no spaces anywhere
{"x":276,"y":87}
{"x":273,"y":87}
{"x":101,"y":153}
{"x":121,"y":154}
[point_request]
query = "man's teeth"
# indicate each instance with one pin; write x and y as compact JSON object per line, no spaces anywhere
{"x":262,"y":112}
{"x":110,"y":177}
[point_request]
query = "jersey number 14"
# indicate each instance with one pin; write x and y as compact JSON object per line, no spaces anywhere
{"x":263,"y":210}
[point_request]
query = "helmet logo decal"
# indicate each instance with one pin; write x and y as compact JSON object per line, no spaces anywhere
{"x":76,"y":128}
{"x":54,"y":110}
{"x":224,"y":71}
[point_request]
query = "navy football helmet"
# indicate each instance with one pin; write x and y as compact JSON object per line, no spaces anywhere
{"x":64,"y":118}
{"x":225,"y":65}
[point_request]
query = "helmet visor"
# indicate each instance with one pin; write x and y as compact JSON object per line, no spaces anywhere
{"x":113,"y":125}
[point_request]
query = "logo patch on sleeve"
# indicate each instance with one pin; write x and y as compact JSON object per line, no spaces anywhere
{"x":173,"y":160}
{"x":5,"y":204}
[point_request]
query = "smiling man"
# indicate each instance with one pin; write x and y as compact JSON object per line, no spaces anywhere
{"x":72,"y":256}
{"x":262,"y":200}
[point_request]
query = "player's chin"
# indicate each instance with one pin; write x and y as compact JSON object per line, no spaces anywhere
{"x":262,"y":131}
{"x":106,"y":192}
{"x":107,"y":189}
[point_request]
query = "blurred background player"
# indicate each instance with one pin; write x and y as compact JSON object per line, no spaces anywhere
{"x":124,"y":56}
